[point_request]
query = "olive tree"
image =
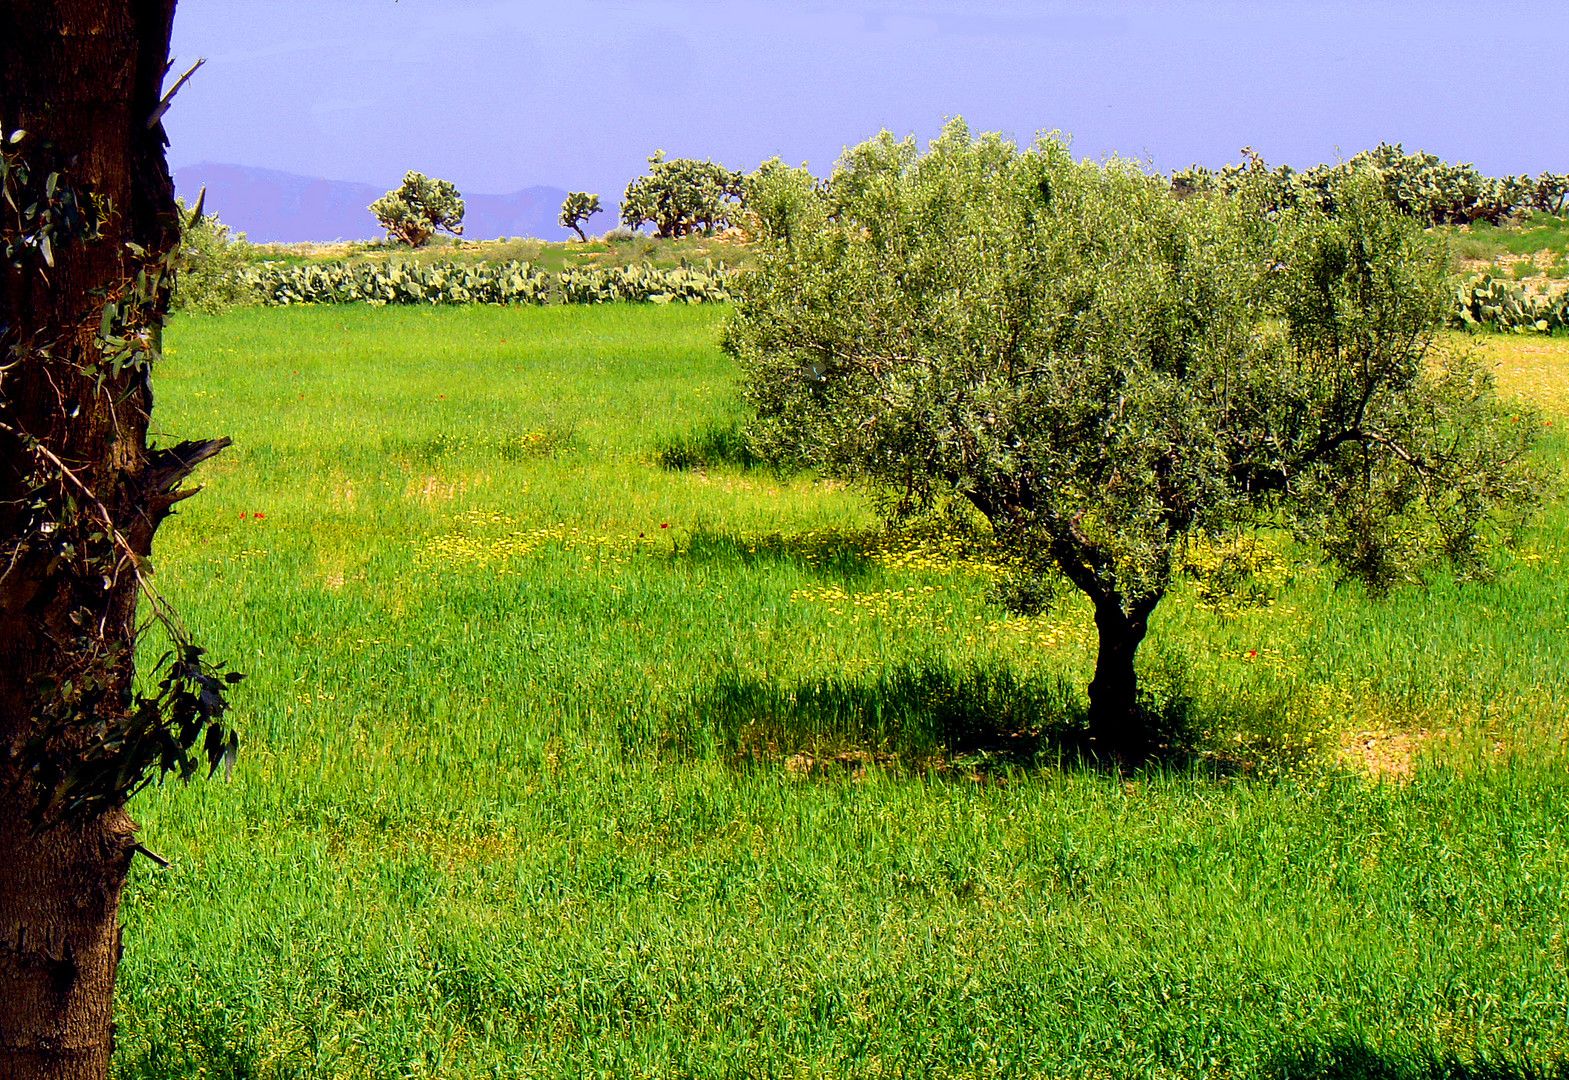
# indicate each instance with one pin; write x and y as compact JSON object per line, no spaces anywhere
{"x":413,"y":211}
{"x":1109,"y":374}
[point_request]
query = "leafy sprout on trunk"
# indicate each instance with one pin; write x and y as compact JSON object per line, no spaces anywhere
{"x":1109,"y":374}
{"x":94,"y":740}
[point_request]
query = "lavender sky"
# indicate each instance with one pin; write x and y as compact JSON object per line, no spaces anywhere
{"x":498,"y":95}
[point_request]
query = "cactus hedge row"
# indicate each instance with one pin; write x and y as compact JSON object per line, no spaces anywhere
{"x":1504,"y":305}
{"x":1480,"y":302}
{"x":486,"y":283}
{"x":1420,"y":184}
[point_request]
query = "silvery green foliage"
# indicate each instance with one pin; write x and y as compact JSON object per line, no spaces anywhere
{"x":681,"y":196}
{"x":577,"y":208}
{"x":414,"y":211}
{"x":501,"y":283}
{"x":1106,"y":372}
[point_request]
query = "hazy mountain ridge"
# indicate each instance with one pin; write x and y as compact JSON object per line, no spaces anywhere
{"x":269,"y":205}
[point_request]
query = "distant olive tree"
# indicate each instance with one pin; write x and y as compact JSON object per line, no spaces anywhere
{"x":414,"y":211}
{"x":577,"y":208}
{"x":1109,"y":374}
{"x":681,"y":196}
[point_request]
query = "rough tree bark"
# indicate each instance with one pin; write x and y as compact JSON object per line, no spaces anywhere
{"x":1117,"y":724}
{"x":83,"y":78}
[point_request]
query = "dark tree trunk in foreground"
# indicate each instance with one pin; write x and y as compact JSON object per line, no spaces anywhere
{"x":1118,"y":725}
{"x":80,"y":492}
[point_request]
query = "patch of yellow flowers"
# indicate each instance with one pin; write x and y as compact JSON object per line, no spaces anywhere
{"x":1236,"y":572}
{"x":476,"y":541}
{"x":921,"y":605}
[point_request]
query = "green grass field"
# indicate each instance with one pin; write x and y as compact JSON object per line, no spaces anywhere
{"x":1539,"y":232}
{"x":559,"y":763}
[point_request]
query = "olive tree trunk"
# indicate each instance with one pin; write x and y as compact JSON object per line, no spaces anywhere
{"x":83,"y":78}
{"x":1118,"y":725}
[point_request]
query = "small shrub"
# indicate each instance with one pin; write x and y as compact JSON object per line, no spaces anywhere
{"x":209,"y":264}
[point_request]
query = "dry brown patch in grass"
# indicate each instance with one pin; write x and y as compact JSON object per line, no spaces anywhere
{"x":851,"y":762}
{"x":726,"y":483}
{"x":310,"y":249}
{"x":1385,"y":755}
{"x":1535,"y":280}
{"x":431,"y":488}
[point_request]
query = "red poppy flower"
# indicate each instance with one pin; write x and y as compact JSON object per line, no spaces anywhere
{"x":664,"y":526}
{"x":1252,"y":653}
{"x":242,"y":513}
{"x":258,"y":515}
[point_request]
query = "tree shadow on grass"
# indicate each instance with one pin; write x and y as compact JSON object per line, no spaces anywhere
{"x":832,"y":553}
{"x":1353,"y":1059}
{"x":715,"y":444}
{"x":210,"y":1042}
{"x":920,"y":716}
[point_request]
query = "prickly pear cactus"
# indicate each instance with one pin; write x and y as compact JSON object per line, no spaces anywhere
{"x":413,"y":212}
{"x":577,"y":208}
{"x":1502,"y":305}
{"x":499,"y":283}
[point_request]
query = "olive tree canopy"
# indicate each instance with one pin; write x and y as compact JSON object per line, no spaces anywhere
{"x":1108,"y":373}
